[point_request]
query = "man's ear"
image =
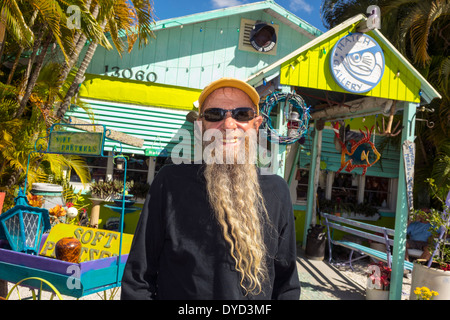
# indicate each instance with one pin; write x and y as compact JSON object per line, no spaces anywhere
{"x":257,"y":121}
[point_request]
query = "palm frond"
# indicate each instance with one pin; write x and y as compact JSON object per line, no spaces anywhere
{"x":13,"y":18}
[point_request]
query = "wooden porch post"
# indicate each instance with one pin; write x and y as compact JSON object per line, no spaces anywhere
{"x":401,"y":210}
{"x":313,"y":181}
{"x":279,"y":158}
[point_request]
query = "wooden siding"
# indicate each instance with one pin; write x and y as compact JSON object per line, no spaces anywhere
{"x":311,"y":69}
{"x":193,"y":55}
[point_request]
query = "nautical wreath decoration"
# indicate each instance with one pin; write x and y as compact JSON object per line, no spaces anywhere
{"x":296,"y":112}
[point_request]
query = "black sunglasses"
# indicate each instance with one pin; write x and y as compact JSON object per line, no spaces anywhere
{"x":238,"y":114}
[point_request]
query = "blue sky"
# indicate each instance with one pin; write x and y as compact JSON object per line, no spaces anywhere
{"x":307,"y":10}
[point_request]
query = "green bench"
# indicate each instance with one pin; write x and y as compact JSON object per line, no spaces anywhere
{"x":360,"y":229}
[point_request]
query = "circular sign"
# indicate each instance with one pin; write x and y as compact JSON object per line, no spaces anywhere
{"x":357,"y":63}
{"x":263,"y":37}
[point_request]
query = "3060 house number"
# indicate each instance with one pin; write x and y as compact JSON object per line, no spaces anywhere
{"x":128,"y":73}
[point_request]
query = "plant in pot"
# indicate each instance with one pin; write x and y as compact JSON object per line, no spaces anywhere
{"x":378,"y":281}
{"x":102,"y":190}
{"x":435,"y":273}
{"x":139,"y":190}
{"x":366,"y":209}
{"x":326,"y":206}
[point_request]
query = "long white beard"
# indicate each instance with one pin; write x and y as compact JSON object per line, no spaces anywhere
{"x":235,"y":196}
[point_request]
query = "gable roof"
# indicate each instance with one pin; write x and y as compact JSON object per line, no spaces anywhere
{"x":269,"y":6}
{"x":285,"y":68}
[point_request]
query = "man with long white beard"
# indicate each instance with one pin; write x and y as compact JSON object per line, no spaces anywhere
{"x":219,"y":229}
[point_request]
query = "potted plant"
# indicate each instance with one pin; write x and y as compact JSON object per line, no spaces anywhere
{"x":435,"y":273}
{"x":105,"y":190}
{"x":139,"y":190}
{"x":424,"y":293}
{"x":378,"y":281}
{"x":366,"y":209}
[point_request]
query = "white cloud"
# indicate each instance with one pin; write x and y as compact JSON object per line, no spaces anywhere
{"x":298,"y":5}
{"x":225,"y":3}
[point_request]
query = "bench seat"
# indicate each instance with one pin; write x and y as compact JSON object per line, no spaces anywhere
{"x":376,"y":233}
{"x":368,"y":251}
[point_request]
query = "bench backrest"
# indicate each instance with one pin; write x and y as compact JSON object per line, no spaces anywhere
{"x":361,"y":225}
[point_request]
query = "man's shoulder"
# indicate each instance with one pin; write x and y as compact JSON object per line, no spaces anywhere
{"x":271,"y":177}
{"x":273,"y":183}
{"x":178,"y":170}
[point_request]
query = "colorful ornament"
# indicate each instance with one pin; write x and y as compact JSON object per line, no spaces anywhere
{"x":358,"y":154}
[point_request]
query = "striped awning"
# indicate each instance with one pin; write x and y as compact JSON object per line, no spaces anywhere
{"x":160,"y":128}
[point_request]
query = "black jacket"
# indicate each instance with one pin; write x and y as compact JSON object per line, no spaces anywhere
{"x":179,"y":252}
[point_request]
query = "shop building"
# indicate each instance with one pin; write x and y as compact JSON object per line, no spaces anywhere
{"x":147,"y":93}
{"x":350,"y":76}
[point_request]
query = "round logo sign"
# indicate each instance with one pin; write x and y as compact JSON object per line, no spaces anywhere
{"x":357,"y":63}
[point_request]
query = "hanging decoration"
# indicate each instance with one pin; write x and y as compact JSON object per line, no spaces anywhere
{"x":296,"y":113}
{"x":355,"y":154}
{"x":387,"y":131}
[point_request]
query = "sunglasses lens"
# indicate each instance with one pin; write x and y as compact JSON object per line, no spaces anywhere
{"x":239,"y":114}
{"x":243,"y":114}
{"x":214,"y":114}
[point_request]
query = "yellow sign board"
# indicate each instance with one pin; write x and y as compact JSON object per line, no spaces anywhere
{"x":82,"y":143}
{"x":95,"y":243}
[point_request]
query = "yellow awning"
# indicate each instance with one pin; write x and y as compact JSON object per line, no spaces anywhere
{"x":138,"y":92}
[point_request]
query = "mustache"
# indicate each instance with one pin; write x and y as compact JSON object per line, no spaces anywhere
{"x":229,"y":146}
{"x":227,"y":134}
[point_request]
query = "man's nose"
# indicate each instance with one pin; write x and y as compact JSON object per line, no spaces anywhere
{"x":229,"y":122}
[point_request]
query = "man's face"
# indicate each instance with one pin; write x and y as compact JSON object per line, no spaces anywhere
{"x":231,"y":130}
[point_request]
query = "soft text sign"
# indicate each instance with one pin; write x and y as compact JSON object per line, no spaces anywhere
{"x":96,"y":243}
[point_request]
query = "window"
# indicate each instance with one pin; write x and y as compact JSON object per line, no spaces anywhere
{"x":348,"y":189}
{"x":344,"y":188}
{"x":302,"y":178}
{"x":377,"y":191}
{"x":97,"y":168}
{"x":302,"y":186}
{"x":137,"y":169}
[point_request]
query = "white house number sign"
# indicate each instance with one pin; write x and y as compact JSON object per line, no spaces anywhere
{"x":357,"y":63}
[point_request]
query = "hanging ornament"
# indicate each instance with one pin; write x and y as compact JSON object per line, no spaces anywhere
{"x":387,"y":131}
{"x":357,"y":154}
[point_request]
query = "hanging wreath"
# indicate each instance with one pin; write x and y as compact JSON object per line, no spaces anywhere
{"x":297,"y":115}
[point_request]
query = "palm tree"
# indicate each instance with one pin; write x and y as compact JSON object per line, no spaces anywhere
{"x":131,"y":17}
{"x":420,"y":31}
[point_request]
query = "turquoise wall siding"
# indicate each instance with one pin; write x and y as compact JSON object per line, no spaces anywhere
{"x":195,"y":54}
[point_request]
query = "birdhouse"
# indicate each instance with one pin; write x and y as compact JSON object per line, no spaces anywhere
{"x":23,"y":225}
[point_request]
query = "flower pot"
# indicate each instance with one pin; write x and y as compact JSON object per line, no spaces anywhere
{"x":68,"y":249}
{"x":377,"y":294}
{"x":432,"y":278}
